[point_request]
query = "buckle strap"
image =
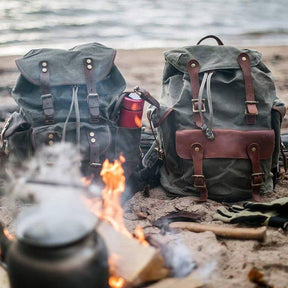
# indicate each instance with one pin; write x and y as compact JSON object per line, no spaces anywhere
{"x":197,"y":153}
{"x":94,"y":153}
{"x":93,"y":105}
{"x":257,"y":179}
{"x":46,"y":97}
{"x":92,"y":97}
{"x":251,"y":110}
{"x":48,"y":108}
{"x":193,"y":68}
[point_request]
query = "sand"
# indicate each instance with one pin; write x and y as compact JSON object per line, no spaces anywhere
{"x":221,"y":262}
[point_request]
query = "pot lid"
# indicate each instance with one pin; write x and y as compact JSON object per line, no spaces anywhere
{"x":54,"y":230}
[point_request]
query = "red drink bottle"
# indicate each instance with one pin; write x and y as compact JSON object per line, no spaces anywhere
{"x":131,"y":111}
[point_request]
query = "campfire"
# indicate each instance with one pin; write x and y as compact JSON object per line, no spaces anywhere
{"x":147,"y":263}
{"x":131,"y":260}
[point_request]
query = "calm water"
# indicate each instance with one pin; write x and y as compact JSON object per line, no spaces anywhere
{"x":26,"y":24}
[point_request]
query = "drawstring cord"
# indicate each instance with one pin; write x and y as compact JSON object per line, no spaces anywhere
{"x":78,"y":120}
{"x":207,"y":129}
{"x":74,"y":103}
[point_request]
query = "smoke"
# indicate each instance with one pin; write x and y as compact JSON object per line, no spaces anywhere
{"x":48,"y":198}
{"x":179,"y":259}
{"x":205,"y":272}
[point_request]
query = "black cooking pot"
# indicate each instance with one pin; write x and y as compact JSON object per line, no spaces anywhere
{"x":39,"y":259}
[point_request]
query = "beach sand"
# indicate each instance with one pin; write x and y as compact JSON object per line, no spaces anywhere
{"x":230,"y":260}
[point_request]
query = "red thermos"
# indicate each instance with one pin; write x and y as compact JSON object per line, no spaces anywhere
{"x":131,"y":111}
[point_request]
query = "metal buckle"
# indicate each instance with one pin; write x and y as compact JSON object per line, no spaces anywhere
{"x":95,"y":164}
{"x":160,"y":153}
{"x":94,"y":98}
{"x":203,"y":109}
{"x":200,"y":177}
{"x":93,"y":95}
{"x":250,"y":103}
{"x":257,"y":184}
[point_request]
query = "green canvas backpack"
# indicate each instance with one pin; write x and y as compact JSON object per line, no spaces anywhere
{"x":72,"y":96}
{"x":219,"y":123}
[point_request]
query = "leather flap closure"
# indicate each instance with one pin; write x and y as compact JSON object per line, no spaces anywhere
{"x":228,"y":143}
{"x":66,"y":66}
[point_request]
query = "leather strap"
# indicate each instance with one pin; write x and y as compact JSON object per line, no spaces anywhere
{"x":193,"y":68}
{"x":94,"y":153}
{"x":213,"y":37}
{"x":257,"y":181}
{"x":251,"y":108}
{"x":92,"y":97}
{"x":197,"y":153}
{"x":46,"y":97}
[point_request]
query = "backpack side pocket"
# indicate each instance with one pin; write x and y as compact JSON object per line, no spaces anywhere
{"x":16,"y":138}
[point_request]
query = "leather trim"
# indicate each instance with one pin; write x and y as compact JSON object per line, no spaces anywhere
{"x":193,"y":68}
{"x":92,"y":97}
{"x":159,"y":123}
{"x":228,"y":143}
{"x":219,"y":42}
{"x":251,"y":108}
{"x":197,"y":154}
{"x":253,"y":151}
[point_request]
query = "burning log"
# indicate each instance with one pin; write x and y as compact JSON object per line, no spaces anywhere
{"x":133,"y":261}
{"x":4,"y":281}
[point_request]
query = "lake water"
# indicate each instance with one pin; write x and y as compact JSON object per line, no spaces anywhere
{"x":27,"y":24}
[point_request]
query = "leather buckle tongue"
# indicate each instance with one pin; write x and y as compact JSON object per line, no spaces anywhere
{"x":93,"y":105}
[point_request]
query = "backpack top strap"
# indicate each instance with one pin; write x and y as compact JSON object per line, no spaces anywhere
{"x":92,"y":97}
{"x":46,"y":97}
{"x":193,"y":68}
{"x":251,"y":108}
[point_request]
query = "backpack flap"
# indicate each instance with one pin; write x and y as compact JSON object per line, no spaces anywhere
{"x":210,"y":57}
{"x":49,"y":75}
{"x":254,"y":145}
{"x":66,"y":67}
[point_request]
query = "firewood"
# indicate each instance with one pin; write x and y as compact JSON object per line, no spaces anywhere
{"x":134,"y":262}
{"x":187,"y":282}
{"x":4,"y":282}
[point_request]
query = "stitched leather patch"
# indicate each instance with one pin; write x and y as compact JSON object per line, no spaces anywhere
{"x":228,"y":143}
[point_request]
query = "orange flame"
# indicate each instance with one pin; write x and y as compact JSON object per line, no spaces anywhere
{"x":140,"y":236}
{"x":111,"y":210}
{"x":114,"y":179}
{"x":116,"y":282}
{"x":8,"y":235}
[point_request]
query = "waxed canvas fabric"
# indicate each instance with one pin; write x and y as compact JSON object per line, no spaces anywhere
{"x":27,"y":130}
{"x":226,"y":179}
